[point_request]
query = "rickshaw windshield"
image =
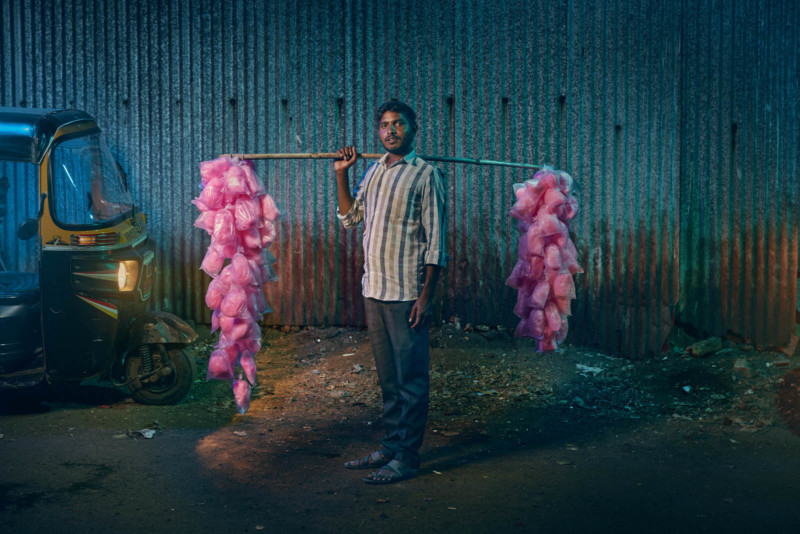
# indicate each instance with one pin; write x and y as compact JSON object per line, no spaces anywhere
{"x":87,"y":188}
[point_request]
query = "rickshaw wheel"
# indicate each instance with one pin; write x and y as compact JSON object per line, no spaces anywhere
{"x":168,"y":389}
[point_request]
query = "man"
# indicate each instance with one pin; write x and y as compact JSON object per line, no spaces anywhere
{"x":401,"y":200}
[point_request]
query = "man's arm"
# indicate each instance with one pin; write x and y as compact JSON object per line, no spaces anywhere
{"x":420,"y":309}
{"x":341,"y":167}
{"x":434,"y":222}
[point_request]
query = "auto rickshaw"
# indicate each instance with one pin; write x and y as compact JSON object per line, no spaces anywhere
{"x":75,"y":301}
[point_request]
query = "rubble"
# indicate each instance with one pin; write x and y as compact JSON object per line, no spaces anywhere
{"x":742,"y":367}
{"x":705,"y":347}
{"x":481,"y":389}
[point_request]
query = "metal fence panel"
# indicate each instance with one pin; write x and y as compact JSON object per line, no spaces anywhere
{"x":666,"y":113}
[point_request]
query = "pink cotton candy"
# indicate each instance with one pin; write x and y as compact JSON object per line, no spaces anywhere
{"x":547,"y":344}
{"x":250,"y":238}
{"x":211,"y":197}
{"x":224,"y":340}
{"x":523,"y":251}
{"x":564,"y":306}
{"x":238,"y":216}
{"x":568,"y":260}
{"x":554,"y":197}
{"x":536,"y":323}
{"x":269,"y":210}
{"x":547,"y":257}
{"x":540,"y":294}
{"x":251,"y":335}
{"x":226,"y":325}
{"x":525,"y":202}
{"x":219,"y":366}
{"x":206,"y":221}
{"x":213,"y":295}
{"x":224,"y":229}
{"x":553,"y":317}
{"x":521,"y":270}
{"x":248,"y":365}
{"x":267,"y":232}
{"x":213,"y":169}
{"x":242,"y":273}
{"x":253,"y":345}
{"x":257,"y":304}
{"x":241,"y":394}
{"x":571,"y":207}
{"x":536,"y":190}
{"x":247,"y":213}
{"x":233,"y":350}
{"x":535,"y":241}
{"x":234,"y":303}
{"x":548,"y":178}
{"x":552,"y":258}
{"x":251,"y":179}
{"x":235,"y":183}
{"x":561,"y":335}
{"x":536,"y":267}
{"x":523,"y":307}
{"x":225,"y":281}
{"x":523,"y":329}
{"x":214,"y":321}
{"x":548,"y":225}
{"x":563,"y":286}
{"x":241,"y":329}
{"x":565,"y":182}
{"x":212,"y":262}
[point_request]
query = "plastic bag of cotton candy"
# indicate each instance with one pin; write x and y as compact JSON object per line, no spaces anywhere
{"x":240,"y":218}
{"x":547,"y":258}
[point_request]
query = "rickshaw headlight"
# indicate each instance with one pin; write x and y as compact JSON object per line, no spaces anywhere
{"x":128,"y":275}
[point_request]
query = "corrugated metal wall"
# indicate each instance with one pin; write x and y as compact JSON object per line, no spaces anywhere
{"x":636,"y":99}
{"x":740,"y":180}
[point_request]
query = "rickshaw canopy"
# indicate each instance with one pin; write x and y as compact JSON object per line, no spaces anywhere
{"x":26,"y":133}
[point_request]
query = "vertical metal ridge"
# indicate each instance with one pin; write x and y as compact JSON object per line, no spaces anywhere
{"x":679,"y":120}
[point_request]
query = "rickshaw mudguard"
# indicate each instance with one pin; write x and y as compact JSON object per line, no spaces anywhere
{"x":160,"y":327}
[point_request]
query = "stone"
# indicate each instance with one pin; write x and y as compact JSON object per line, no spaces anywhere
{"x":791,"y":349}
{"x":742,"y":368}
{"x":705,"y":347}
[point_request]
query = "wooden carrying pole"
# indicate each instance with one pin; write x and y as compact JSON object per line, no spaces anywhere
{"x":334,"y":155}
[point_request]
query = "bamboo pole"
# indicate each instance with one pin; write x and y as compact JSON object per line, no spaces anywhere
{"x":334,"y":155}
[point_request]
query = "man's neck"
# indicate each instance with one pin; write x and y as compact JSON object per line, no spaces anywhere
{"x":394,"y":158}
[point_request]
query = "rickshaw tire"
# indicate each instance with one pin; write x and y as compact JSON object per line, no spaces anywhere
{"x":184,"y":369}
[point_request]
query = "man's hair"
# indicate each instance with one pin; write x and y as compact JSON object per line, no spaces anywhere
{"x":398,"y":107}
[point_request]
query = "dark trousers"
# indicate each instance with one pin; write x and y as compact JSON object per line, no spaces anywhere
{"x":401,"y":357}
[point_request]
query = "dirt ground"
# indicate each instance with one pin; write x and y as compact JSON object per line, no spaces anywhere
{"x":573,"y":441}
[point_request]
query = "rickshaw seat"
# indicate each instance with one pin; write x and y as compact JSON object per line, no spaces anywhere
{"x":18,"y":286}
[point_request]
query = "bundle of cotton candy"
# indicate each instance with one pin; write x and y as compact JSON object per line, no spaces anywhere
{"x":240,"y":218}
{"x":547,"y":257}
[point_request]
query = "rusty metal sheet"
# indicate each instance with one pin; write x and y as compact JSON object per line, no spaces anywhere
{"x":637,"y":100}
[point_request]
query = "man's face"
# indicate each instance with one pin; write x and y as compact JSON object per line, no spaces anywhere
{"x":396,"y":133}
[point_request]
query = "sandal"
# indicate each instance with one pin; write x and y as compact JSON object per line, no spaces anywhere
{"x":370,"y":461}
{"x":394,"y":471}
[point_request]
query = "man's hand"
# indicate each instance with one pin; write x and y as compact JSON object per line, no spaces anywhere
{"x":419,"y":312}
{"x":348,"y":155}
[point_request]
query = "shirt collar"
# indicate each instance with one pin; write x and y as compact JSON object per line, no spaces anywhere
{"x":410,"y":158}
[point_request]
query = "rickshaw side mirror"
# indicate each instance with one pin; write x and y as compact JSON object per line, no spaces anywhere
{"x":30,"y":227}
{"x":27,"y":229}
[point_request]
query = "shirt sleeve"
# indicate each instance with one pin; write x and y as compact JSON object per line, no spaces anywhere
{"x":356,"y":213}
{"x":434,"y":219}
{"x":354,"y":216}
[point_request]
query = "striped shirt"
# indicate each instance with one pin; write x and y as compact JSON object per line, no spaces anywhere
{"x":404,"y":213}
